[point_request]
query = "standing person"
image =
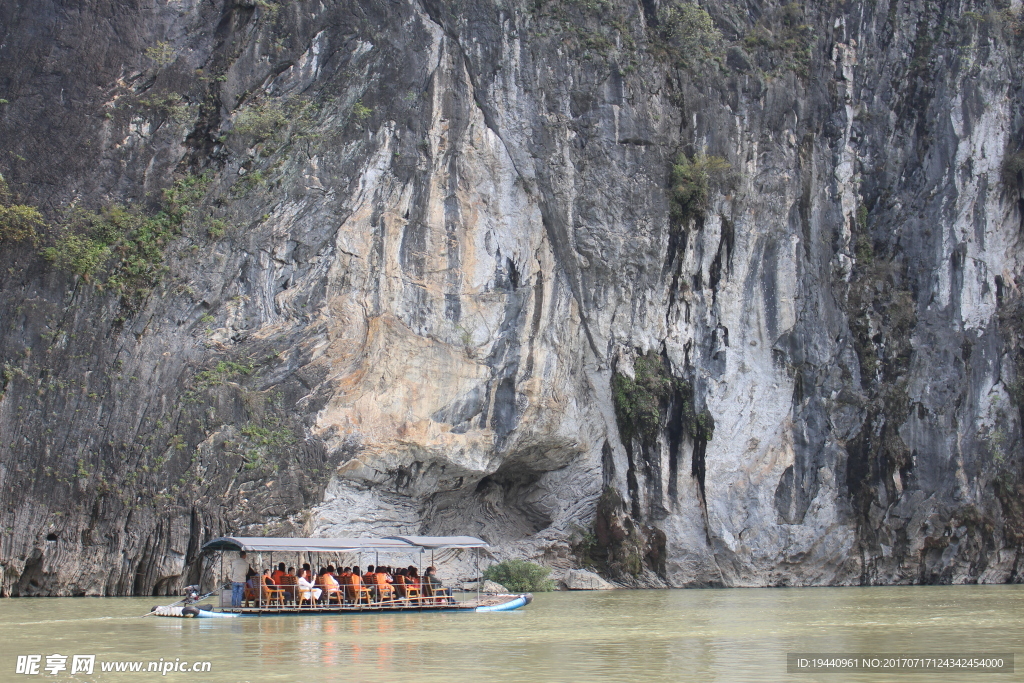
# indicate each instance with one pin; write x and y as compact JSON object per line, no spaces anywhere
{"x":239,"y":571}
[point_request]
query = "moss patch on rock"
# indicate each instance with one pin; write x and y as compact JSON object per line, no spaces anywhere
{"x":622,"y":548}
{"x":641,"y":400}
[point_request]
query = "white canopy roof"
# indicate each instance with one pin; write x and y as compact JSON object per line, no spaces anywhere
{"x":435,"y":542}
{"x":341,"y":545}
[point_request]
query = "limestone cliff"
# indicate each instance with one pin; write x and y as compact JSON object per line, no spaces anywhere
{"x":717,"y":294}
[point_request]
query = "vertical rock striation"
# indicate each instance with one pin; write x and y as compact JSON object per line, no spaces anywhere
{"x":694,"y":298}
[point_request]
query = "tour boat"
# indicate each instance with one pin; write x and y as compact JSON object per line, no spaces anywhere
{"x":271,"y":602}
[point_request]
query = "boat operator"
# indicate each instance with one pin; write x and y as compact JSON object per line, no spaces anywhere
{"x":238,"y":569}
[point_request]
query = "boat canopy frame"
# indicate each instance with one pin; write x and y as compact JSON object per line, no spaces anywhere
{"x":263,"y":544}
{"x":417,"y":545}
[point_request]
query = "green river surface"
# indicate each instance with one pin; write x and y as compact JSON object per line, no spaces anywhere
{"x":623,"y":635}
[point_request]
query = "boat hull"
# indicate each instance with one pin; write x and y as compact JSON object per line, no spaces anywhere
{"x":500,"y":603}
{"x":519,"y":601}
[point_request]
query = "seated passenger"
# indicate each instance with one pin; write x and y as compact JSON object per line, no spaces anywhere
{"x":433,"y":586}
{"x":370,"y":581}
{"x":328,"y":581}
{"x":330,"y":586}
{"x":382,"y":584}
{"x":251,"y":584}
{"x":288,"y":582}
{"x":278,"y":573}
{"x":268,"y":589}
{"x":353,"y":582}
{"x":399,"y":583}
{"x":412,"y":576}
{"x":307,"y":591}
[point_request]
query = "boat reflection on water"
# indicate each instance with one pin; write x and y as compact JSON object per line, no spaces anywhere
{"x":367,"y":643}
{"x":371,"y":643}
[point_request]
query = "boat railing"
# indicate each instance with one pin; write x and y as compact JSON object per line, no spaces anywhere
{"x":352,"y":596}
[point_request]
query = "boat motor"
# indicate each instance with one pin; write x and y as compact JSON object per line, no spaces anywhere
{"x":191,"y":594}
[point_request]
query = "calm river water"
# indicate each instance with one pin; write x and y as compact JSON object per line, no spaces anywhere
{"x":623,"y":636}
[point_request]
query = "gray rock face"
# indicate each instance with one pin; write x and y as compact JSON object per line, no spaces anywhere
{"x":583,"y":580}
{"x":435,"y":242}
{"x":487,"y":587}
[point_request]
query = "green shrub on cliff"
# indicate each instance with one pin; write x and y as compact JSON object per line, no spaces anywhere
{"x":520,"y":575}
{"x":638,"y":399}
{"x":261,"y":121}
{"x":171,"y":105}
{"x":686,"y":35}
{"x":18,"y":222}
{"x":122,"y":243}
{"x":361,"y":111}
{"x":782,"y":40}
{"x":269,"y":7}
{"x":693,"y":181}
{"x":77,"y":254}
{"x":162,"y":53}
